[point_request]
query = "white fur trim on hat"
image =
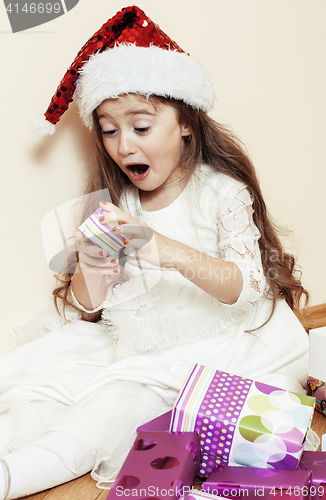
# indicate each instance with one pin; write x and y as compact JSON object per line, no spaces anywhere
{"x":127,"y":69}
{"x":42,"y":126}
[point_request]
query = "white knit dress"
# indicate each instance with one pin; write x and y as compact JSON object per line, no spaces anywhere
{"x":100,"y":381}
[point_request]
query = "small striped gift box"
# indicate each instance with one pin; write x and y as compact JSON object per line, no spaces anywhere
{"x":101,"y":234}
{"x":242,"y":422}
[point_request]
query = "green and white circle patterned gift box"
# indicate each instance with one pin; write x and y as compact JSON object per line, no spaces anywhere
{"x":242,"y":422}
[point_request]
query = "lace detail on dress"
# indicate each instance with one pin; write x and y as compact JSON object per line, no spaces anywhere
{"x":239,"y":244}
{"x":243,"y":255}
{"x":249,"y":213}
{"x":254,"y":283}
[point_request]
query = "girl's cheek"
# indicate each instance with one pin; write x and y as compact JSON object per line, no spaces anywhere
{"x":108,"y":147}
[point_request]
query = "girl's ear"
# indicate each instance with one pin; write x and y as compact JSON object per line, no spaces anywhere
{"x":185,"y":130}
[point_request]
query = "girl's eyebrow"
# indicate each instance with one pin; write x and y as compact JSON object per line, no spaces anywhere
{"x":103,"y":115}
{"x":135,"y":112}
{"x":141,"y":112}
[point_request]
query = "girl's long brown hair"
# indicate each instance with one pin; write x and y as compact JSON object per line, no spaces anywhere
{"x":217,"y":146}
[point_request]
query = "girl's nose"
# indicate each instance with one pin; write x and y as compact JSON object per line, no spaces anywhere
{"x":126,"y":144}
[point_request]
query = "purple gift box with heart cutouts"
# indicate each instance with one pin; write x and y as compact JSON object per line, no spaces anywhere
{"x":242,"y":422}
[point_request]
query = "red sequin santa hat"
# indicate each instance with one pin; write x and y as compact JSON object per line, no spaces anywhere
{"x":129,"y":54}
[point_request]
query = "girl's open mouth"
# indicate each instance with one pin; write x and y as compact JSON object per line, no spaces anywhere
{"x":138,"y":172}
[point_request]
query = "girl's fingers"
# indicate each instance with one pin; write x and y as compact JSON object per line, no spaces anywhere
{"x":109,"y":207}
{"x":116,"y":218}
{"x":80,"y":236}
{"x":98,"y":261}
{"x":109,"y":266}
{"x":127,"y":225}
{"x":135,"y":232}
{"x":113,"y":212}
{"x":115,"y":215}
{"x":105,"y":271}
{"x":92,"y":249}
{"x":96,"y":256}
{"x":136,"y":244}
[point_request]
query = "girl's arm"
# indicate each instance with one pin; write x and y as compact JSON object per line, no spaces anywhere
{"x":92,"y":277}
{"x":88,"y":293}
{"x":221,"y":279}
{"x":235,"y":278}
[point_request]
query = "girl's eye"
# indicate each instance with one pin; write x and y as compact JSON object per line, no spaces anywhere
{"x":108,"y":132}
{"x":142,"y":130}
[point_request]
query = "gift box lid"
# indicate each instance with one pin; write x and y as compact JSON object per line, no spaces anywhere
{"x":247,"y":477}
{"x":315,"y":461}
{"x":246,"y":481}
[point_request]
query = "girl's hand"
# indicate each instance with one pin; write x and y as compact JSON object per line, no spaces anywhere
{"x":90,"y":281}
{"x":219,"y":278}
{"x":94,"y":259}
{"x":150,"y":245}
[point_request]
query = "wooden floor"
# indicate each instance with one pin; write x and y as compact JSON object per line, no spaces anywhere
{"x":85,"y":487}
{"x":313,"y":317}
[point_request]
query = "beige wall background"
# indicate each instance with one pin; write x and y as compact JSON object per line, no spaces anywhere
{"x":267,"y":61}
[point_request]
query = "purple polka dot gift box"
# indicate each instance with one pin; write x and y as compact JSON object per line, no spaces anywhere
{"x":242,"y":422}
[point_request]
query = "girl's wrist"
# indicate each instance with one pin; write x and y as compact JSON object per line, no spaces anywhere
{"x":89,"y":289}
{"x":170,"y":254}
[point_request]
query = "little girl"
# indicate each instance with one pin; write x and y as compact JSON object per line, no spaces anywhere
{"x":203,"y":277}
